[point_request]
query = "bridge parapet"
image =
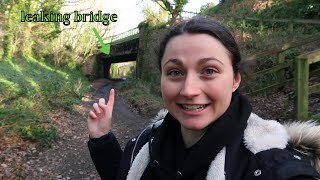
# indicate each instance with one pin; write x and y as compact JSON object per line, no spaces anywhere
{"x":122,"y":37}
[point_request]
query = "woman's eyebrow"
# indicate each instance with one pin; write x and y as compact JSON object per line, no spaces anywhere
{"x":201,"y":61}
{"x":204,"y":60}
{"x":174,"y":61}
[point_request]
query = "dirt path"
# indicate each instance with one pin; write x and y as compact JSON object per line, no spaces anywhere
{"x":69,"y":157}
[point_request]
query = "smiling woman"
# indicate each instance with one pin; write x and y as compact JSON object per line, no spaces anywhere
{"x":197,"y":80}
{"x":209,"y":131}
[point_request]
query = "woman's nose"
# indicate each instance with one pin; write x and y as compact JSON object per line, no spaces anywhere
{"x":190,"y":87}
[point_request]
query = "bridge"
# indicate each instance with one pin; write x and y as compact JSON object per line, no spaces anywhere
{"x":124,"y":48}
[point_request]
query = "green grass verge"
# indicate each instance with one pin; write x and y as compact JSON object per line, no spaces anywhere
{"x":143,"y":96}
{"x":29,"y":90}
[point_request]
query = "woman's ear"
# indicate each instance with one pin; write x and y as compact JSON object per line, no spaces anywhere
{"x":236,"y":81}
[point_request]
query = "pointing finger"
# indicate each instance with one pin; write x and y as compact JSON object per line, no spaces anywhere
{"x":111,"y":99}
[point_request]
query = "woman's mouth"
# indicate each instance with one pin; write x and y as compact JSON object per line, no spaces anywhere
{"x":193,"y":107}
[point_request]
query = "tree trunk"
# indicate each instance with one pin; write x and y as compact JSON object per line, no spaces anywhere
{"x":8,"y":35}
{"x":25,"y":39}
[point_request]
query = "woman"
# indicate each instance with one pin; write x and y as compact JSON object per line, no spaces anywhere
{"x":209,"y":131}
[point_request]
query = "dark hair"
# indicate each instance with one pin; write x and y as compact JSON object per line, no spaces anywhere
{"x":203,"y":25}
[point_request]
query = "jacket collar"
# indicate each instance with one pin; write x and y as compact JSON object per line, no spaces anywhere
{"x":261,"y":135}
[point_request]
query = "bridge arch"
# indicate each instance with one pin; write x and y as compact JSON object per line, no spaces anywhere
{"x":124,"y":48}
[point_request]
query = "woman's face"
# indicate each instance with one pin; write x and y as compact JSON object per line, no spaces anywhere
{"x":197,"y":79}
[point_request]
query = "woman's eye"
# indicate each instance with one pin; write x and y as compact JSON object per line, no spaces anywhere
{"x":209,"y":71}
{"x":174,"y":73}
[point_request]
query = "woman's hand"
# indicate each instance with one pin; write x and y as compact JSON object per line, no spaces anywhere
{"x":99,"y":120}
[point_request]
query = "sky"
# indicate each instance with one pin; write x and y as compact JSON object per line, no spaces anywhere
{"x":130,"y":11}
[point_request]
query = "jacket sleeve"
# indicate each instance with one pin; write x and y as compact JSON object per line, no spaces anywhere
{"x":108,"y":158}
{"x":106,"y":154}
{"x":303,"y":178}
{"x":285,"y":164}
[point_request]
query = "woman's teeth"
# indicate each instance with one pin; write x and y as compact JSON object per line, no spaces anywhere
{"x":193,"y":107}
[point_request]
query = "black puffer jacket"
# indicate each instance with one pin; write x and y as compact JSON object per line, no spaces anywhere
{"x":240,"y":163}
{"x":263,"y":149}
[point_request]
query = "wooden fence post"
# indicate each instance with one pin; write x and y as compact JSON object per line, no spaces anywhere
{"x":261,"y":26}
{"x":290,"y":28}
{"x":281,"y":57}
{"x":302,"y":87}
{"x":281,"y":60}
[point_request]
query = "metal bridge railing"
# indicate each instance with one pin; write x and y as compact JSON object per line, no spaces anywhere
{"x":132,"y":32}
{"x":188,"y":14}
{"x":123,"y":35}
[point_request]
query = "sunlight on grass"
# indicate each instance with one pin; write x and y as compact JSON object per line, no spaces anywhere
{"x":25,"y":104}
{"x":33,"y":84}
{"x":9,"y":84}
{"x":43,"y":65}
{"x":29,"y":90}
{"x":16,"y":67}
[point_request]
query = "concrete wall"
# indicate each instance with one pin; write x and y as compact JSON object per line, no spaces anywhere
{"x":87,"y":67}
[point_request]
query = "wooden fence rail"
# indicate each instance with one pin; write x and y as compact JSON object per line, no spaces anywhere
{"x":302,"y":82}
{"x":282,"y":70}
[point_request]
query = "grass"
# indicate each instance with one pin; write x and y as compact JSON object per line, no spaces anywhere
{"x":29,"y":89}
{"x":315,"y":116}
{"x":144,"y":96}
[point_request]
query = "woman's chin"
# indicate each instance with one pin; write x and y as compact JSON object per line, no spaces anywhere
{"x":194,"y":126}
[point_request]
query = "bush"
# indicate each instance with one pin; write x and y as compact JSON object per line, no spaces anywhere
{"x":40,"y":134}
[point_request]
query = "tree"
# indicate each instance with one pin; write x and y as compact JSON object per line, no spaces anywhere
{"x":19,"y":38}
{"x":50,"y":41}
{"x":8,"y":28}
{"x":174,"y":8}
{"x":77,"y":41}
{"x":155,"y":15}
{"x":207,"y":7}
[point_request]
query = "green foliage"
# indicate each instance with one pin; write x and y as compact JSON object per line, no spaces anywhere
{"x":8,"y":29}
{"x":206,"y":8}
{"x":315,"y":116}
{"x":155,"y":15}
{"x":7,"y":47}
{"x":307,"y":9}
{"x":40,"y":134}
{"x":51,"y":6}
{"x":27,"y":38}
{"x":174,"y":8}
{"x":126,"y":69}
{"x":44,"y":41}
{"x":29,"y":89}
